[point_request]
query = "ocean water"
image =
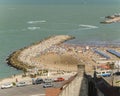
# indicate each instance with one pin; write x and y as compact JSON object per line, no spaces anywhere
{"x":23,"y":22}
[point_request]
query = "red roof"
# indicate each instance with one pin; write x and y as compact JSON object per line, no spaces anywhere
{"x":105,"y":66}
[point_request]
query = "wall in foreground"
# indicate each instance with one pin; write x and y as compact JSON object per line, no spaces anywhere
{"x":78,"y":86}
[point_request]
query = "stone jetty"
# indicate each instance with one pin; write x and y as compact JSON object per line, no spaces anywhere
{"x":111,"y":19}
{"x":22,"y":59}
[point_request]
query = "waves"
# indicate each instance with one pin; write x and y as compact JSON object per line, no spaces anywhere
{"x":57,"y":26}
{"x":33,"y":28}
{"x":87,"y":26}
{"x":82,"y":27}
{"x":34,"y":22}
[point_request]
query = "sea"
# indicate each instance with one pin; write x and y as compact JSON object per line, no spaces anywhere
{"x":24,"y":22}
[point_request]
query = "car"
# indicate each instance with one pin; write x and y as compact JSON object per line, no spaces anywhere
{"x":46,"y":85}
{"x":116,"y":73}
{"x":48,"y":80}
{"x":59,"y":79}
{"x":20,"y":84}
{"x":104,"y":73}
{"x":6,"y":85}
{"x":37,"y":81}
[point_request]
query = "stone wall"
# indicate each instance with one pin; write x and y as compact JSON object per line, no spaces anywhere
{"x":78,"y":86}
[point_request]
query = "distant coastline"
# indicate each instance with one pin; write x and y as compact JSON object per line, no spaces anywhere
{"x":14,"y":61}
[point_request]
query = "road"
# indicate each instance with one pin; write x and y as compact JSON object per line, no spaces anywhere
{"x":29,"y":90}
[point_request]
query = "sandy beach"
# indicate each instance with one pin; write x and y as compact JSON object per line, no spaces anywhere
{"x":53,"y":54}
{"x":25,"y":57}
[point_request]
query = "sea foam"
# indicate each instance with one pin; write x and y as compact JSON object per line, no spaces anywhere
{"x":87,"y":26}
{"x":34,"y":22}
{"x":33,"y":28}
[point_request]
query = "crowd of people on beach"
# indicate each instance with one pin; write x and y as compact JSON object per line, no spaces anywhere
{"x":84,"y":54}
{"x":50,"y":45}
{"x":38,"y":49}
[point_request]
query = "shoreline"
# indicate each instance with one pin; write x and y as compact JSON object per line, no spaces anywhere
{"x":53,"y":54}
{"x":13,"y":60}
{"x":56,"y":58}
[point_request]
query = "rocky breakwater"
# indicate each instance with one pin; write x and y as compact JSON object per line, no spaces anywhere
{"x":22,"y":59}
{"x":111,"y":19}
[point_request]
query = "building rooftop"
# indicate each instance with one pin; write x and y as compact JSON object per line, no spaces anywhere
{"x":114,"y":53}
{"x":101,"y":53}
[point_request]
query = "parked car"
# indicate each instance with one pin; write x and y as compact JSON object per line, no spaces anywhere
{"x":104,"y":73}
{"x":20,"y":84}
{"x":48,"y":80}
{"x":37,"y":81}
{"x":6,"y":85}
{"x":46,"y":85}
{"x":116,"y":73}
{"x":59,"y":79}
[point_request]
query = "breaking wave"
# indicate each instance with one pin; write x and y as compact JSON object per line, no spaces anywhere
{"x":87,"y":26}
{"x":34,"y":22}
{"x":33,"y":28}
